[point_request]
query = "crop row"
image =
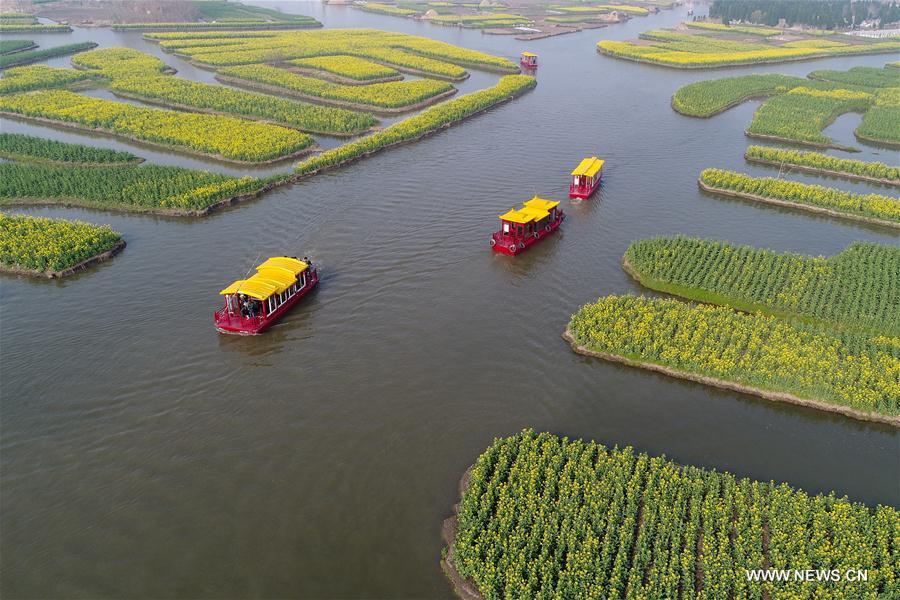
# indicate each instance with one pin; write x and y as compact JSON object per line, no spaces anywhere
{"x":481,"y":21}
{"x":719,"y":27}
{"x":33,"y":28}
{"x":822,"y":163}
{"x":392,"y":95}
{"x":282,"y":46}
{"x":255,"y":24}
{"x":220,"y":136}
{"x":350,"y":67}
{"x":424,"y":123}
{"x":10,"y":46}
{"x":859,"y":288}
{"x":672,"y":41}
{"x":15,"y":146}
{"x":713,"y":56}
{"x":883,"y":209}
{"x":30,"y":56}
{"x":544,"y":516}
{"x":801,"y":114}
{"x":387,"y":9}
{"x":764,"y":354}
{"x":45,"y":245}
{"x":206,"y":97}
{"x":136,"y":188}
{"x":22,"y":79}
{"x":597,"y":8}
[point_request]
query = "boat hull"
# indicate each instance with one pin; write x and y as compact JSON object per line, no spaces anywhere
{"x":237,"y":324}
{"x":511,"y":246}
{"x":584,"y":192}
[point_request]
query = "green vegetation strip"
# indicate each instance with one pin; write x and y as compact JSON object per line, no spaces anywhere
{"x":394,"y":96}
{"x":221,"y":137}
{"x":858,"y":288}
{"x":254,"y":24}
{"x":708,"y":98}
{"x":30,"y":56}
{"x":881,"y":123}
{"x":9,"y":46}
{"x":823,"y":164}
{"x":543,"y":516}
{"x":869,"y":77}
{"x":23,"y":79}
{"x":418,"y":126}
{"x":800,"y":115}
{"x":870,"y":208}
{"x":27,"y":148}
{"x":182,"y":93}
{"x":33,"y":28}
{"x":841,"y":371}
{"x":53,"y":247}
{"x":145,"y":188}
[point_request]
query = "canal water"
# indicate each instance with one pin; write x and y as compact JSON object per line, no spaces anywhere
{"x":145,"y":455}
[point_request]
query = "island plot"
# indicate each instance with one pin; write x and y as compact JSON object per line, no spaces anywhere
{"x":341,"y":76}
{"x":53,"y":247}
{"x":545,"y":516}
{"x":820,"y":332}
{"x":703,"y":45}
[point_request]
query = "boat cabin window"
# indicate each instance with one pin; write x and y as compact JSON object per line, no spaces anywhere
{"x":519,"y":230}
{"x":506,"y":229}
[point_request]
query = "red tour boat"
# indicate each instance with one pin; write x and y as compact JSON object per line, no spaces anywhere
{"x":521,"y":228}
{"x":528,"y":60}
{"x":252,"y":305}
{"x":586,"y":178}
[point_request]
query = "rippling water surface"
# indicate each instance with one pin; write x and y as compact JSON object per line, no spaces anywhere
{"x":145,"y":455}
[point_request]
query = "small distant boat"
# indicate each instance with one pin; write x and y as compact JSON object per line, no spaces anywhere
{"x":529,"y":60}
{"x":523,"y":227}
{"x":586,"y":178}
{"x":253,"y":305}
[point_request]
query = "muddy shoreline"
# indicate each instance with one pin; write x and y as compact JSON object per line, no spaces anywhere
{"x":732,"y":386}
{"x":798,"y":206}
{"x":818,"y":171}
{"x":464,"y":589}
{"x":272,"y":89}
{"x":97,"y":258}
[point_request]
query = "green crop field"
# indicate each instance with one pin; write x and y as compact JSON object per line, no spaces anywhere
{"x":544,"y":516}
{"x":135,"y":188}
{"x":32,"y":56}
{"x":858,"y":288}
{"x":15,"y":146}
{"x":756,"y":353}
{"x":817,"y":162}
{"x":801,"y":114}
{"x":884,"y":209}
{"x":45,"y":245}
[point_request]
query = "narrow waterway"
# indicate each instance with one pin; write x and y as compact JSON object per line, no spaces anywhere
{"x":145,"y":455}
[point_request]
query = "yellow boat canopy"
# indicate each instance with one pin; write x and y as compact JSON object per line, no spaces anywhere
{"x":272,"y":277}
{"x":589,"y":167}
{"x":529,"y":54}
{"x":532,"y":210}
